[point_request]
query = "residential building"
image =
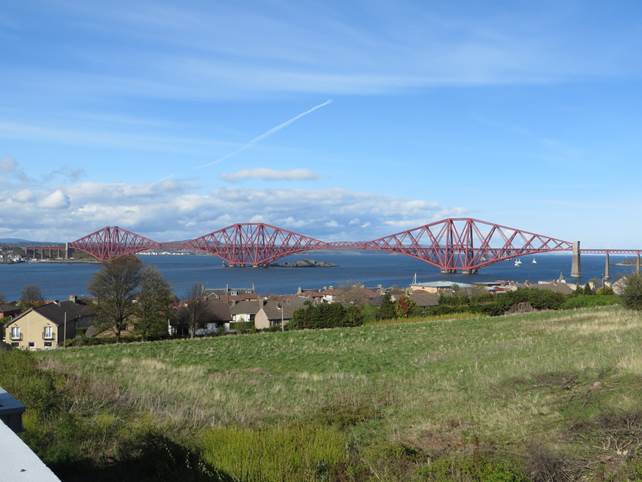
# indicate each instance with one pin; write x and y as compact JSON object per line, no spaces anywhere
{"x":221,"y":293}
{"x":246,"y":310}
{"x":439,"y":286}
{"x":423,"y":299}
{"x":324,"y":295}
{"x":44,"y":327}
{"x":274,"y":312}
{"x":217,"y":317}
{"x":9,"y":310}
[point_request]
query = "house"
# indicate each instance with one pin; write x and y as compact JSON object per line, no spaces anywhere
{"x":217,"y":316}
{"x":43,"y":327}
{"x":9,"y":310}
{"x":227,"y":293}
{"x":555,"y":287}
{"x":273,"y":312}
{"x":440,"y":286}
{"x":324,"y":295}
{"x":423,"y":299}
{"x":245,"y":311}
{"x":356,"y":295}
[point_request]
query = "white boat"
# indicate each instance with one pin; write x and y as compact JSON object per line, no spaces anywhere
{"x":534,"y":261}
{"x":518,"y":263}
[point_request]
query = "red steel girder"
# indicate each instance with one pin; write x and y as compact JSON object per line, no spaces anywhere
{"x":451,"y":244}
{"x":254,"y":244}
{"x":466,"y":244}
{"x":111,"y":242}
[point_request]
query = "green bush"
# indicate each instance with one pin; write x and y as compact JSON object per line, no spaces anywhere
{"x":326,"y":315}
{"x":632,"y":296}
{"x":276,"y":454}
{"x":585,"y":301}
{"x":472,"y":468}
{"x":243,"y":327}
{"x":540,"y":299}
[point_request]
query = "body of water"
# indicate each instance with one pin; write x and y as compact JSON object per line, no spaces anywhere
{"x":58,"y":281}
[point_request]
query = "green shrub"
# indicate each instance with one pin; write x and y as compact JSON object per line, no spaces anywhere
{"x":472,"y":468}
{"x":584,"y":301}
{"x":632,"y":296}
{"x":243,"y":326}
{"x":276,"y":454}
{"x":326,"y":315}
{"x":540,"y":299}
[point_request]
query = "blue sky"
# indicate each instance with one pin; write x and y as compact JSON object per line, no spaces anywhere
{"x":523,"y":113}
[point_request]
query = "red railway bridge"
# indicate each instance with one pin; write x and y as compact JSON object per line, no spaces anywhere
{"x":452,"y":244}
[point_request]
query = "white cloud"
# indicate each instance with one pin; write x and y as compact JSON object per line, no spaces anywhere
{"x":56,"y":200}
{"x":23,"y":196}
{"x":176,"y":210}
{"x":267,"y":174}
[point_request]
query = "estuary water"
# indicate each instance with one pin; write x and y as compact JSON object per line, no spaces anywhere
{"x":58,"y":281}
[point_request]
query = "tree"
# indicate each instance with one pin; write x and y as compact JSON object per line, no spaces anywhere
{"x":31,"y":297}
{"x":404,"y":306}
{"x":587,"y":289}
{"x":604,"y":290}
{"x":387,"y":308}
{"x":115,"y":288}
{"x":154,"y":304}
{"x":632,"y":295}
{"x":195,"y":308}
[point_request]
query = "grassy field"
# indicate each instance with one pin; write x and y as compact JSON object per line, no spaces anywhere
{"x":544,"y":396}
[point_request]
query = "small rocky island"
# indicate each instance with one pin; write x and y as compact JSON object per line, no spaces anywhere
{"x":627,"y":262}
{"x":304,"y":263}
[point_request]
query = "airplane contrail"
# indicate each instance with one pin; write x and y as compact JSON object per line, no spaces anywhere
{"x":267,"y":134}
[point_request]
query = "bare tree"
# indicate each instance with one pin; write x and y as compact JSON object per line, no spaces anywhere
{"x":115,"y":288}
{"x":195,"y":308}
{"x":31,"y":297}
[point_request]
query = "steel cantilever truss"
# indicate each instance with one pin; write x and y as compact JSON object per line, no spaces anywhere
{"x":466,"y":244}
{"x":254,"y":244}
{"x":451,"y":244}
{"x":112,"y":242}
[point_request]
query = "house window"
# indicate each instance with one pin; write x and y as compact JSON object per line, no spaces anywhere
{"x":15,"y":343}
{"x":32,"y":344}
{"x":48,"y":333}
{"x":15,"y":333}
{"x":47,"y":344}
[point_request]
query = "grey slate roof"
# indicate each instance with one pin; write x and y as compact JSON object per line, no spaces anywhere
{"x":423,"y":299}
{"x":217,"y":311}
{"x":273,"y":312}
{"x":250,"y":307}
{"x":56,"y":312}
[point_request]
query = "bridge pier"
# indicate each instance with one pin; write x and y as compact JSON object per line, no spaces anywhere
{"x":576,"y":263}
{"x":448,"y":271}
{"x":469,"y":271}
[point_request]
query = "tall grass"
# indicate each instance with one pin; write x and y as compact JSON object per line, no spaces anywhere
{"x":276,"y":454}
{"x":427,"y":389}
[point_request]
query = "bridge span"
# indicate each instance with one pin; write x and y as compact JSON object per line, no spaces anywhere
{"x":451,"y":245}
